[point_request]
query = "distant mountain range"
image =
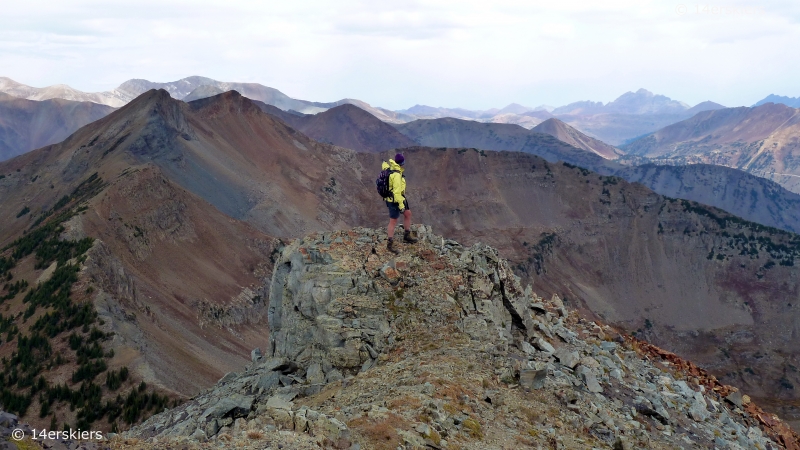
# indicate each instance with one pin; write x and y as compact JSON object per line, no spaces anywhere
{"x":631,"y":115}
{"x":431,"y":112}
{"x":194,"y":87}
{"x":763,"y":140}
{"x":794,"y":102}
{"x":29,"y":124}
{"x":62,"y":91}
{"x":639,"y":102}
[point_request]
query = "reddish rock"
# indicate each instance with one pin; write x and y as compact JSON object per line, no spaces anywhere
{"x":390,"y":274}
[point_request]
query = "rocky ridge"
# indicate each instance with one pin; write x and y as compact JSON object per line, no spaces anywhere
{"x":441,"y":347}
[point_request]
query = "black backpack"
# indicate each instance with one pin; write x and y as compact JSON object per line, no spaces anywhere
{"x":382,"y":183}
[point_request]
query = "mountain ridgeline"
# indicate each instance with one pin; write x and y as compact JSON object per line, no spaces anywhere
{"x":346,"y":126}
{"x":197,"y":198}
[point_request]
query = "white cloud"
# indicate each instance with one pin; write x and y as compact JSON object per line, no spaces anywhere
{"x":468,"y":53}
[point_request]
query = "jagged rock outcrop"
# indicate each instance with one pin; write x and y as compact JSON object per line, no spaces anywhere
{"x":441,"y":346}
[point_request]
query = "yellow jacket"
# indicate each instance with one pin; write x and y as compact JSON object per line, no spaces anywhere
{"x":397,"y":183}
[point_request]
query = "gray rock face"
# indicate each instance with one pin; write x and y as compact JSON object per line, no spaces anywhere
{"x":698,"y":411}
{"x":589,"y":379}
{"x":544,"y":346}
{"x":236,"y":405}
{"x":567,"y":358}
{"x":312,"y":309}
{"x":326,"y":317}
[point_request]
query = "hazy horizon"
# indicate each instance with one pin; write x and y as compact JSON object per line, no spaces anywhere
{"x":467,"y":55}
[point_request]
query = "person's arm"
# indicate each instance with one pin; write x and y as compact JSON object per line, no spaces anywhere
{"x":394,"y":181}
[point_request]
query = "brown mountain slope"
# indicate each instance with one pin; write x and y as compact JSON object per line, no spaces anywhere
{"x":174,"y":278}
{"x":173,"y":268}
{"x":575,"y":138}
{"x":762,"y":140}
{"x":28,"y":124}
{"x":692,"y":278}
{"x":750,"y":197}
{"x":346,"y":126}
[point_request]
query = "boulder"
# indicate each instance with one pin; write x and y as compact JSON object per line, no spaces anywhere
{"x":699,"y":409}
{"x":735,"y":398}
{"x":8,"y":420}
{"x":532,"y":379}
{"x":268,"y":381}
{"x":234,"y":405}
{"x":567,"y":358}
{"x":544,"y":346}
{"x":314,"y":374}
{"x":589,"y":379}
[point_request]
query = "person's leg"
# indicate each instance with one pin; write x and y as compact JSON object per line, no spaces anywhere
{"x":407,"y":235}
{"x":394,"y":214}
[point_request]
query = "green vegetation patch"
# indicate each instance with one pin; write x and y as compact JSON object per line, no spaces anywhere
{"x":746,"y":238}
{"x":22,"y":377}
{"x":537,"y":253}
{"x":583,"y":171}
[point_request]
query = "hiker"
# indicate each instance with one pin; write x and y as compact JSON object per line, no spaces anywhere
{"x":397,"y":202}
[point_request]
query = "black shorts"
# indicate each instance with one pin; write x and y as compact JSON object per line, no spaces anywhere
{"x":394,"y":209}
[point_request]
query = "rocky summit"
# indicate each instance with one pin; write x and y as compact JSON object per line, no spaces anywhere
{"x":442,"y":347}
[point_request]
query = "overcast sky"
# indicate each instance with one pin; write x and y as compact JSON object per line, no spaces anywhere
{"x":464,"y":53}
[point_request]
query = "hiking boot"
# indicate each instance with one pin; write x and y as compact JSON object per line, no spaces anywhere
{"x":390,"y":246}
{"x":408,"y":236}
